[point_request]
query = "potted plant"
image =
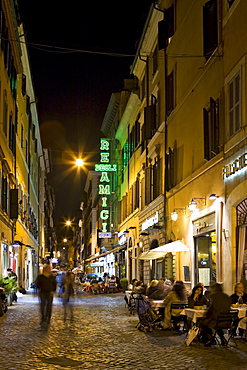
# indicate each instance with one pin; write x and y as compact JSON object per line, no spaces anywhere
{"x":124,"y":283}
{"x":10,"y":286}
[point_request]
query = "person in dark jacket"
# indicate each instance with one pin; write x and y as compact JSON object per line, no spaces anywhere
{"x":46,"y":284}
{"x":219,"y":301}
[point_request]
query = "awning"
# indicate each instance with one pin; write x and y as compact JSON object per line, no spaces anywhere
{"x":161,"y":251}
{"x":117,"y":249}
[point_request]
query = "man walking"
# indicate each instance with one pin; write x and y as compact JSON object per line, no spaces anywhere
{"x":46,"y":284}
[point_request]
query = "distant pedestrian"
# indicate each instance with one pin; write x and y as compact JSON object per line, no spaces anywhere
{"x":46,"y":284}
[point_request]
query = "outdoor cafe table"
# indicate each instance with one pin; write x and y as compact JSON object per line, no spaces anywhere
{"x":193,"y":314}
{"x":157,"y":303}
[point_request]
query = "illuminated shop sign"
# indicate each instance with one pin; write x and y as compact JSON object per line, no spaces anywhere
{"x":104,"y":188}
{"x":150,"y":221}
{"x":235,"y":166}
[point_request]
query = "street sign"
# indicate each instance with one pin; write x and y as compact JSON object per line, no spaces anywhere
{"x":105,"y":235}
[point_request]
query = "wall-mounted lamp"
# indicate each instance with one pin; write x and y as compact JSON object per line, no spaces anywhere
{"x":213,"y":197}
{"x":176,"y":211}
{"x":193,"y":204}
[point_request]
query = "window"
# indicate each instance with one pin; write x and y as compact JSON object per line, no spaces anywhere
{"x":210,"y":27}
{"x":211,"y":130}
{"x":234,"y":103}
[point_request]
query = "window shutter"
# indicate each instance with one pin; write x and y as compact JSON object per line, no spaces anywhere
{"x":149,"y":121}
{"x":169,"y":170}
{"x":13,"y":203}
{"x":210,"y":27}
{"x":214,"y":126}
{"x":148,"y":185}
{"x":206,"y":134}
{"x":170,"y":93}
{"x":166,"y":28}
{"x":162,"y":36}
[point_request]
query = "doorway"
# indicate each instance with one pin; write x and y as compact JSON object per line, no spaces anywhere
{"x":205,"y":258}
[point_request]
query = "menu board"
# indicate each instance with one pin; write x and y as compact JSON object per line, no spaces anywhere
{"x":204,"y":276}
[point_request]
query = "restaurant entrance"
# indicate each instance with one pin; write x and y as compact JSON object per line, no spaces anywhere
{"x":205,"y":258}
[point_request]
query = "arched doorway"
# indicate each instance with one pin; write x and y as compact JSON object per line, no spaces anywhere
{"x":241,"y":256}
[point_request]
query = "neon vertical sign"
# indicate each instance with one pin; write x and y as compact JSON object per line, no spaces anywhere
{"x":104,"y":181}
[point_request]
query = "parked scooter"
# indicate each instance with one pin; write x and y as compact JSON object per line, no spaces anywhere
{"x":3,"y":302}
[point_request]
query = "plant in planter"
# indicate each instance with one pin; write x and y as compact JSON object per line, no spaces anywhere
{"x":10,"y":285}
{"x":124,"y":283}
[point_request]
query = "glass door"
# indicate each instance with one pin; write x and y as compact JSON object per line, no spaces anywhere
{"x":205,"y":256}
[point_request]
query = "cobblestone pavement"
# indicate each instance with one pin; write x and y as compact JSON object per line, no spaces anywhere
{"x":102,"y":335}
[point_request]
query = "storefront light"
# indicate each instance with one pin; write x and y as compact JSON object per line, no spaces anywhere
{"x":192,"y":206}
{"x":174,"y":216}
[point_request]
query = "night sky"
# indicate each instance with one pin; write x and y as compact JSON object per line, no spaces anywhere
{"x":73,"y":87}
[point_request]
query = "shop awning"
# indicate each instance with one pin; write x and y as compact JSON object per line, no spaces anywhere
{"x":161,"y":251}
{"x":117,"y":249}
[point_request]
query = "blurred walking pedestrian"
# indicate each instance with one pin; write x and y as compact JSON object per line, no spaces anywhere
{"x":46,"y":284}
{"x":68,"y":294}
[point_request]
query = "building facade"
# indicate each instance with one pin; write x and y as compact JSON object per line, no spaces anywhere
{"x":22,"y":165}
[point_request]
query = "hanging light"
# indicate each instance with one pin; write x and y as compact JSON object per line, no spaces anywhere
{"x":174,"y":216}
{"x":192,"y":205}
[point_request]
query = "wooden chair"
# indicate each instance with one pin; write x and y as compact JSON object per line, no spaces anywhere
{"x":228,"y":321}
{"x":176,"y":318}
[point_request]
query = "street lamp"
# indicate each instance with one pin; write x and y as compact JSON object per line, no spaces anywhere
{"x":79,"y":162}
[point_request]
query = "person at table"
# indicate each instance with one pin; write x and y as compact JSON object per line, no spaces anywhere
{"x":186,"y":291}
{"x":160,"y":293}
{"x":132,"y":285}
{"x":239,"y":296}
{"x":197,"y":298}
{"x":177,"y":295}
{"x":152,"y":287}
{"x":219,"y":301}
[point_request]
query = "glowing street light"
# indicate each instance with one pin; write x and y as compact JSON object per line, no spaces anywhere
{"x":79,"y":162}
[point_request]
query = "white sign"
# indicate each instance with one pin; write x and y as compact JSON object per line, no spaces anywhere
{"x":150,"y":221}
{"x":105,"y":235}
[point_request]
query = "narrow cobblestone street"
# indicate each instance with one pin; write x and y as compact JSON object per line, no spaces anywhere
{"x":101,"y":335}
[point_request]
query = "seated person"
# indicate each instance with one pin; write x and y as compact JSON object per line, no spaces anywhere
{"x":139,"y":288}
{"x":132,"y":284}
{"x":239,"y":297}
{"x":197,"y":298}
{"x":160,"y":292}
{"x":219,"y":301}
{"x":152,"y":287}
{"x":238,"y":294}
{"x":177,"y":295}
